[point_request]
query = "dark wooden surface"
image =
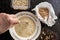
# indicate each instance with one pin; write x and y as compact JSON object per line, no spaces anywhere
{"x":5,"y":6}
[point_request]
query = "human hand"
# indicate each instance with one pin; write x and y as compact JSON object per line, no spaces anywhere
{"x":6,"y":21}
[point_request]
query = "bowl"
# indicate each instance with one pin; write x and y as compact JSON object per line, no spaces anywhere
{"x":37,"y":31}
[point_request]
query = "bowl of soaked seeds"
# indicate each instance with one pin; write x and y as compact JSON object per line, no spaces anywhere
{"x":29,"y":27}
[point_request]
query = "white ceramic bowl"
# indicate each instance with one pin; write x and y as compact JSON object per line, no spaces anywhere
{"x":37,"y":32}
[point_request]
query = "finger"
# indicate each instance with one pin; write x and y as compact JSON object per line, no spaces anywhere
{"x":14,"y":16}
{"x":2,"y":14}
{"x":6,"y":16}
{"x":13,"y":20}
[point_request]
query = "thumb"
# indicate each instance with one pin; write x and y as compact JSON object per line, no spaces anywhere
{"x":13,"y":20}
